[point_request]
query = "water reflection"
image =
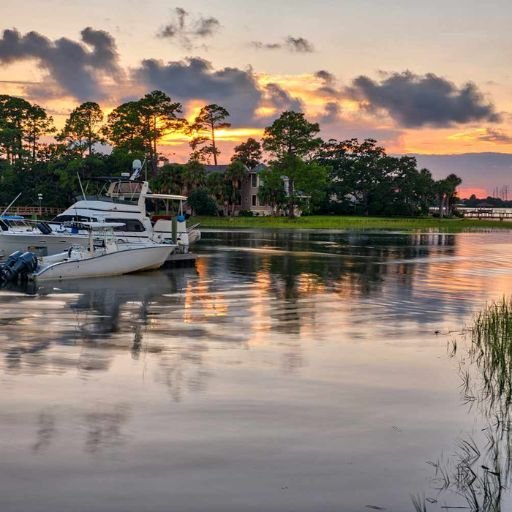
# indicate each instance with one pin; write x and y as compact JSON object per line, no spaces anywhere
{"x":286,"y":371}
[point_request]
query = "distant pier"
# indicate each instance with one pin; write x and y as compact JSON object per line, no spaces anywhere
{"x":487,"y":213}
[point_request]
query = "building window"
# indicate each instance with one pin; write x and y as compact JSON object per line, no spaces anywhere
{"x":254,"y":199}
{"x":254,"y":180}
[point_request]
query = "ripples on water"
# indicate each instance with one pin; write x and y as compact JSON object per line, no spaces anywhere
{"x":296,"y":371}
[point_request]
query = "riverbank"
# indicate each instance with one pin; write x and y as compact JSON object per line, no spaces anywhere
{"x":351,"y":223}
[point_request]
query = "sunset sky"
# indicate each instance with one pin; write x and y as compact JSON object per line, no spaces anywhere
{"x":430,"y":78}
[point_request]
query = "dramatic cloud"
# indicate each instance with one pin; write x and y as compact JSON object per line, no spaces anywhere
{"x":496,"y":136}
{"x":292,"y":44}
{"x":186,"y":32}
{"x":419,"y":100}
{"x":194,"y":78}
{"x":76,"y":68}
{"x":331,"y":114}
{"x":328,"y":89}
{"x":328,"y":78}
{"x":281,"y":100}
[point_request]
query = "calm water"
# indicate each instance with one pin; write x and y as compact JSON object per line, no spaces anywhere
{"x":286,"y":372}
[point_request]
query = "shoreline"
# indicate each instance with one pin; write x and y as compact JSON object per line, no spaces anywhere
{"x":351,"y":223}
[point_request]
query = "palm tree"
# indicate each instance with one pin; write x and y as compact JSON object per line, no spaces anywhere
{"x":235,"y":173}
{"x":445,"y":192}
{"x":216,"y":186}
{"x":194,"y":175}
{"x":452,"y":182}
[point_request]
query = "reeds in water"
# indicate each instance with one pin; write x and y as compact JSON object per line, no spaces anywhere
{"x":491,"y":337}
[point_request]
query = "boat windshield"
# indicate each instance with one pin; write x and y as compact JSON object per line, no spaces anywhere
{"x":112,"y":190}
{"x":124,"y":188}
{"x":14,"y":224}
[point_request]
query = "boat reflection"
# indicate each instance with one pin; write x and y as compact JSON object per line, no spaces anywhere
{"x":290,"y":286}
{"x":294,"y":371}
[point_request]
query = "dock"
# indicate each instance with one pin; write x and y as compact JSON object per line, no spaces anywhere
{"x":180,"y":260}
{"x":487,"y":213}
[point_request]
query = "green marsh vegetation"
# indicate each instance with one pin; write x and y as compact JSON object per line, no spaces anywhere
{"x":479,"y":471}
{"x":352,"y":223}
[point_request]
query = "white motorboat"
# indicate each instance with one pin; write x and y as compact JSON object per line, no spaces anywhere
{"x":104,"y":256}
{"x":123,"y":200}
{"x":19,"y":234}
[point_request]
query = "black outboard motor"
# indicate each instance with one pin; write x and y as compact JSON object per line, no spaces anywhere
{"x":5,"y":267}
{"x":18,"y":265}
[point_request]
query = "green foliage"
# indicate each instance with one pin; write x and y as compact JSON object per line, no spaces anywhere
{"x":82,"y":129}
{"x":138,"y":126}
{"x":363,"y":179}
{"x":290,"y":139}
{"x":210,"y":118}
{"x":333,"y":177}
{"x":21,"y":126}
{"x":217,"y":186}
{"x":201,"y":202}
{"x":445,"y":191}
{"x":249,"y":153}
{"x":271,"y":190}
{"x":304,"y":183}
{"x":234,"y":175}
{"x":359,"y":223}
{"x":193,"y":175}
{"x":291,"y":135}
{"x":169,"y":179}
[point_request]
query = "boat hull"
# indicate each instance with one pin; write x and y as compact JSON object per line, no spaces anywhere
{"x":120,"y":262}
{"x":39,"y":244}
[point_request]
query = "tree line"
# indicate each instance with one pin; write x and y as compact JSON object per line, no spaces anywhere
{"x":301,"y":170}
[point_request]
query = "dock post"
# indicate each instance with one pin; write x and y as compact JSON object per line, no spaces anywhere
{"x":174,"y":230}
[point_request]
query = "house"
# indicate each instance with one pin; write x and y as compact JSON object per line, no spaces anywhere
{"x":249,"y":200}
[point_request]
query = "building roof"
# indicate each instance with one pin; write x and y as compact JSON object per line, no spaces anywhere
{"x":215,"y":168}
{"x":223,"y":168}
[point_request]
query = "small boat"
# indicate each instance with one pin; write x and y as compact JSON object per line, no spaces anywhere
{"x":123,"y":200}
{"x":38,"y":237}
{"x":104,"y":256}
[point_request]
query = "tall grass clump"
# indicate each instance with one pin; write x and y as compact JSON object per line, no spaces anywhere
{"x":479,"y":470}
{"x":492,"y":351}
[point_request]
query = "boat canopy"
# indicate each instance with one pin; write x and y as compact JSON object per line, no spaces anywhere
{"x":170,"y":197}
{"x":11,"y":217}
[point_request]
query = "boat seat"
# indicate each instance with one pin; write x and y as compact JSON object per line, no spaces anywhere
{"x":44,"y":227}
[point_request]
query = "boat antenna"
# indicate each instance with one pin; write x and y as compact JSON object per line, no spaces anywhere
{"x":81,"y":187}
{"x":10,"y":204}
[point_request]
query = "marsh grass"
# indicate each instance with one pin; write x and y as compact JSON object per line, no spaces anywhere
{"x":352,"y":223}
{"x":479,"y":469}
{"x":491,"y":349}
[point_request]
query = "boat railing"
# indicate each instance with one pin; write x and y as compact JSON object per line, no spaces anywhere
{"x":21,"y":225}
{"x":106,"y":199}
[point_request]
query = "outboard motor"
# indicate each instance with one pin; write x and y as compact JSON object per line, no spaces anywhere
{"x":5,"y":267}
{"x":18,"y":265}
